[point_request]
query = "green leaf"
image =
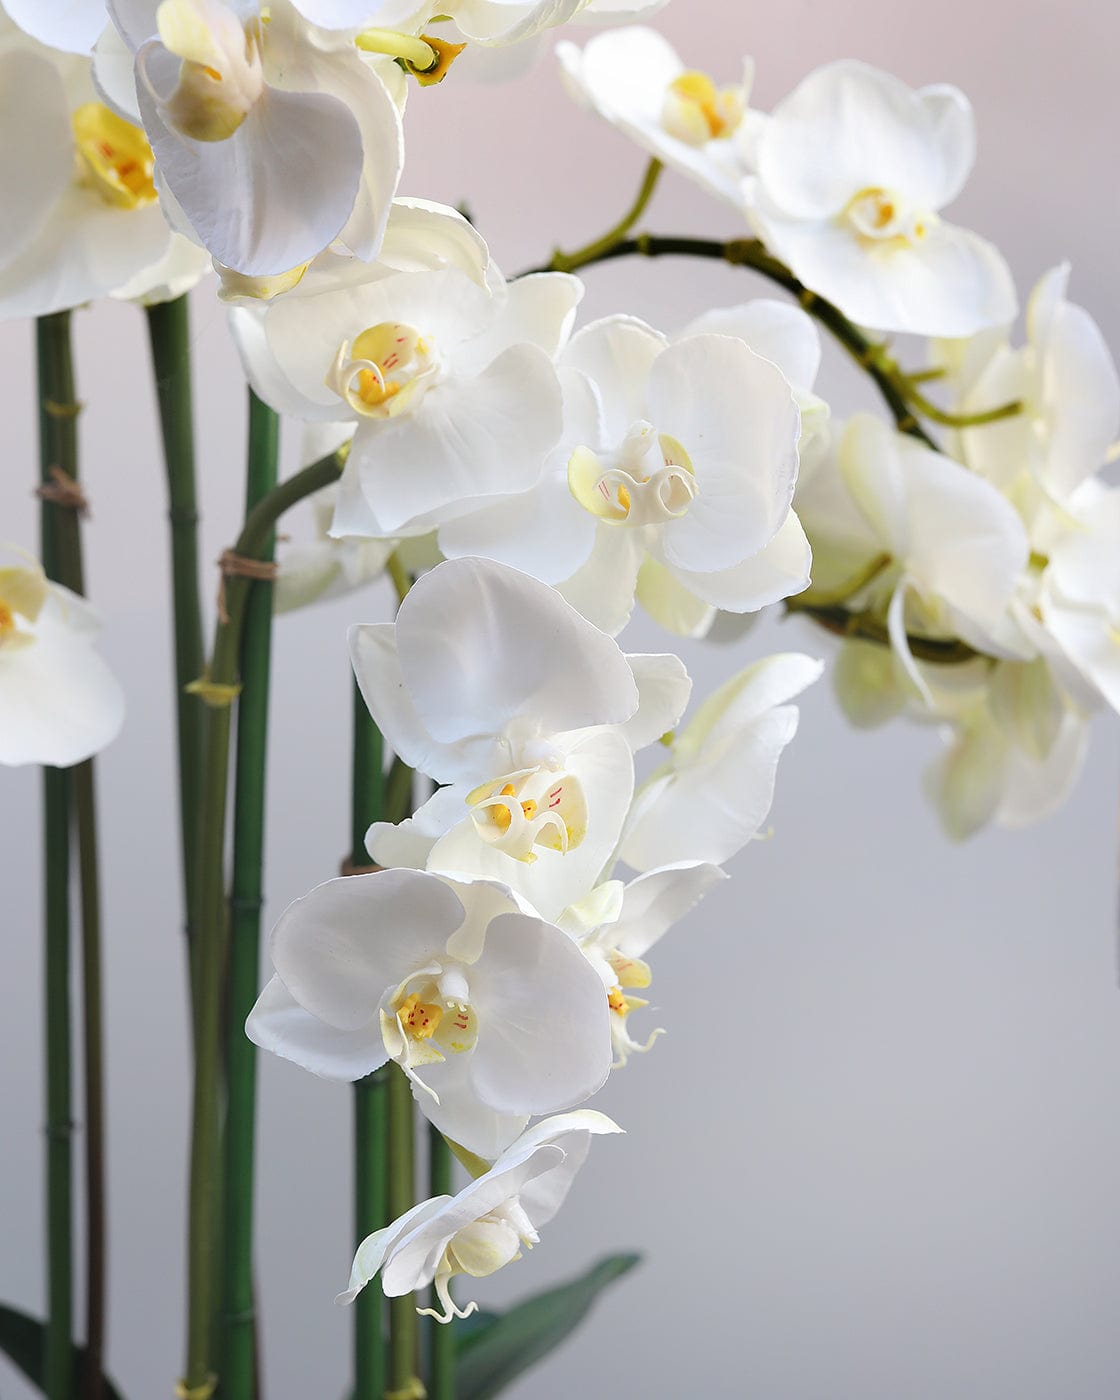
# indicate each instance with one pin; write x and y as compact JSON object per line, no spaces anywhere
{"x":21,"y":1341}
{"x":492,"y":1356}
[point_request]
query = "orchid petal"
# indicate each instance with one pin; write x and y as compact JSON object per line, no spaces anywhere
{"x":347,"y":942}
{"x":480,"y":644}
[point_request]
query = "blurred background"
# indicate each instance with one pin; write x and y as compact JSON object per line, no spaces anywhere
{"x":888,"y":1170}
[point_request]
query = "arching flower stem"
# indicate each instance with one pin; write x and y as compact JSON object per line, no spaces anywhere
{"x":593,"y":252}
{"x":897,"y":388}
{"x":169,"y":335}
{"x":218,"y":690}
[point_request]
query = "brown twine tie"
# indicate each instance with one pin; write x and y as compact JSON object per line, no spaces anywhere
{"x":234,"y":565}
{"x":63,"y":491}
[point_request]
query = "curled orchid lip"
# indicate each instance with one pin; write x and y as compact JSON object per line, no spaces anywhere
{"x":650,"y":480}
{"x":882,"y":216}
{"x":221,"y":70}
{"x":451,"y":1310}
{"x":696,"y":111}
{"x":533,"y":807}
{"x":383,"y":370}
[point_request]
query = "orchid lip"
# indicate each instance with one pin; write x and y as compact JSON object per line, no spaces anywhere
{"x":881,"y":216}
{"x":649,"y":480}
{"x":384,"y":370}
{"x":533,"y":807}
{"x":221,"y":73}
{"x":695,"y":111}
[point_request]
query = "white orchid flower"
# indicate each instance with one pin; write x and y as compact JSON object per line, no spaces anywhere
{"x":492,"y":1013}
{"x":852,"y":170}
{"x":490,"y":683}
{"x":679,"y":463}
{"x":930,"y":544}
{"x":81,"y":218}
{"x":616,"y":926}
{"x":272,"y":137}
{"x":635,"y":80}
{"x":1012,"y":754}
{"x":73,"y":26}
{"x":447,"y":376}
{"x":59,"y":702}
{"x":1067,"y":383}
{"x":1014,"y":736}
{"x":487,"y":1224}
{"x":714,"y":792}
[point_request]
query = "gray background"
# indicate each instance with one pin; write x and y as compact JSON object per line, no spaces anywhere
{"x":888,"y":1170}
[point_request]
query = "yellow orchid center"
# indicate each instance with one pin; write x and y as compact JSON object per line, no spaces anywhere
{"x":115,"y":158}
{"x":7,"y":622}
{"x":221,"y":76}
{"x":420,"y":1019}
{"x":381,"y":371}
{"x":881,"y":216}
{"x":648,"y":481}
{"x":696,"y":111}
{"x":501,"y":812}
{"x":616,"y":1000}
{"x":426,"y":1020}
{"x":536,"y":807}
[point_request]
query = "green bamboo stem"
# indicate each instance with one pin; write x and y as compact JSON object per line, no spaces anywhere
{"x":58,"y":1360}
{"x":169,"y":336}
{"x":217,"y":691}
{"x":370,"y":1213}
{"x":85,"y":804}
{"x":398,"y":791}
{"x":63,"y":408}
{"x":59,"y":411}
{"x":238,"y":1313}
{"x":367,"y":803}
{"x":404,"y":1332}
{"x":51,"y":336}
{"x":441,"y":1336}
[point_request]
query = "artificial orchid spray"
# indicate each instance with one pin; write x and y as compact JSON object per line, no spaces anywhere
{"x":533,"y":806}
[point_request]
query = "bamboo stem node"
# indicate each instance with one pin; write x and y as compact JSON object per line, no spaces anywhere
{"x":414,"y":1390}
{"x":216,"y":694}
{"x":183,"y":1391}
{"x":56,"y":408}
